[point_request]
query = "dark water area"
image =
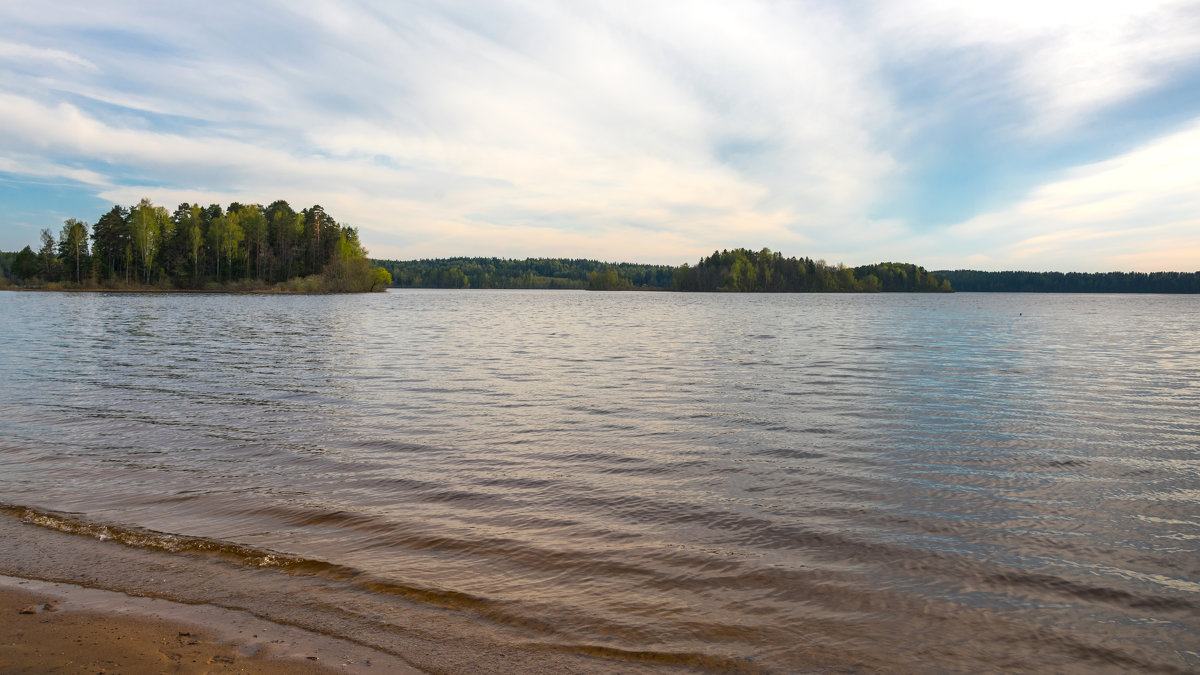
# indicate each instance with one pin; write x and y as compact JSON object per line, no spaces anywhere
{"x":625,"y":481}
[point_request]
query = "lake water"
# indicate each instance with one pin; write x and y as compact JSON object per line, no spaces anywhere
{"x":574,"y":481}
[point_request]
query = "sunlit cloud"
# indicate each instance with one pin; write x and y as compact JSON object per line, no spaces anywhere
{"x":1137,"y":211}
{"x":1054,"y":62}
{"x":653,"y":131}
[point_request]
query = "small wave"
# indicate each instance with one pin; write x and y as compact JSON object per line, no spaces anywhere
{"x":1093,"y":593}
{"x":692,"y":660}
{"x":596,"y":410}
{"x":791,"y":453}
{"x":136,"y":537}
{"x":146,"y":539}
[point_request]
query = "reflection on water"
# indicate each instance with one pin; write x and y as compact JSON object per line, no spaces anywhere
{"x":755,"y":482}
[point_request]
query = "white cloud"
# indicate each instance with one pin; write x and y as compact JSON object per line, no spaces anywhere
{"x":1139,"y":211}
{"x":690,"y":125}
{"x":38,"y":167}
{"x":23,"y":53}
{"x":1060,"y":61}
{"x":653,"y":130}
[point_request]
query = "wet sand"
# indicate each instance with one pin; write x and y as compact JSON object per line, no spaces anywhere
{"x":60,"y":628}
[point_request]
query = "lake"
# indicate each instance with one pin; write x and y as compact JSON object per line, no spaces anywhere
{"x":577,"y":481}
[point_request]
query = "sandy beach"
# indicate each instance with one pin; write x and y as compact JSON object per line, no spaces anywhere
{"x":60,"y":628}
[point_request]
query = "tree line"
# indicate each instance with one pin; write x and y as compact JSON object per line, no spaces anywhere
{"x":546,"y":273}
{"x":767,"y":271}
{"x":737,"y":270}
{"x":239,"y":247}
{"x":1074,"y":282}
{"x":249,"y":247}
{"x":764,"y":271}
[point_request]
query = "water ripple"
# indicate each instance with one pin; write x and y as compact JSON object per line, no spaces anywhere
{"x":715,"y":482}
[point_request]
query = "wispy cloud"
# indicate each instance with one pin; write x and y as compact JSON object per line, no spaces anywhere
{"x":15,"y":53}
{"x":656,"y":131}
{"x":1051,"y":64}
{"x":1115,"y":214}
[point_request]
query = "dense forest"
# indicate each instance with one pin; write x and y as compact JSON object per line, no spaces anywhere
{"x":737,"y":270}
{"x":249,"y":247}
{"x":528,"y":273}
{"x":243,"y":247}
{"x":1074,"y":282}
{"x":767,"y":271}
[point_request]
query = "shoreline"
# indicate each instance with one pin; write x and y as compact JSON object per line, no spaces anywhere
{"x":151,"y":290}
{"x":53,"y":625}
{"x":392,"y":632}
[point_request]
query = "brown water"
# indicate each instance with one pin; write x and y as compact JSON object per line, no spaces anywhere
{"x":614,"y":481}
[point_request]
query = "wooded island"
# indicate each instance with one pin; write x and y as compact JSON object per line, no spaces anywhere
{"x":243,"y":247}
{"x":739,"y":270}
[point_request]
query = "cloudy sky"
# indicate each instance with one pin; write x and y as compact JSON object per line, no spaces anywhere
{"x":1035,"y":135}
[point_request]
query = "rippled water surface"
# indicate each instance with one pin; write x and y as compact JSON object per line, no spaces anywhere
{"x":745,"y":482}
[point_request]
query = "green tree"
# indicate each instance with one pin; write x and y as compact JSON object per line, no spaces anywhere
{"x":49,"y":262}
{"x":231,"y":239}
{"x":286,"y":228}
{"x":254,"y":225}
{"x":845,"y":280}
{"x":608,"y":280}
{"x":110,"y":234}
{"x":216,"y":237}
{"x":381,"y":279}
{"x":743,"y":275}
{"x":189,"y":223}
{"x":73,"y":244}
{"x":26,"y":265}
{"x":149,"y":225}
{"x":148,"y":244}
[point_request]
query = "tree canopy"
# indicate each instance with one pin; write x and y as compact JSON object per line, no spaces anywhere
{"x":1074,"y":282}
{"x":240,"y":247}
{"x":251,"y":247}
{"x":739,"y":270}
{"x":550,"y":273}
{"x":766,"y":271}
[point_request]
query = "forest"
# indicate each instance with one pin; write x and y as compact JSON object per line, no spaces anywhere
{"x":246,"y":247}
{"x":528,"y":273}
{"x":768,"y":271}
{"x":242,"y":247}
{"x":1074,"y":282}
{"x":764,"y":271}
{"x":739,"y":270}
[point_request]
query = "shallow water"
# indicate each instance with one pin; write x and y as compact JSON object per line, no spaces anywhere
{"x":755,"y":482}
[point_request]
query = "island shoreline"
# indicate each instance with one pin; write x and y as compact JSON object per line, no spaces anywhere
{"x":206,"y":291}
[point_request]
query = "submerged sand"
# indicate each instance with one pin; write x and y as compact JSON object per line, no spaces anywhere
{"x":61,"y":628}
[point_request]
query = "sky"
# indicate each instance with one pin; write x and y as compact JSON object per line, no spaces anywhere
{"x":1018,"y":135}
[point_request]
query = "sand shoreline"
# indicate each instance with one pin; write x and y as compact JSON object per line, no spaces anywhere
{"x":394,"y":633}
{"x":57,"y":627}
